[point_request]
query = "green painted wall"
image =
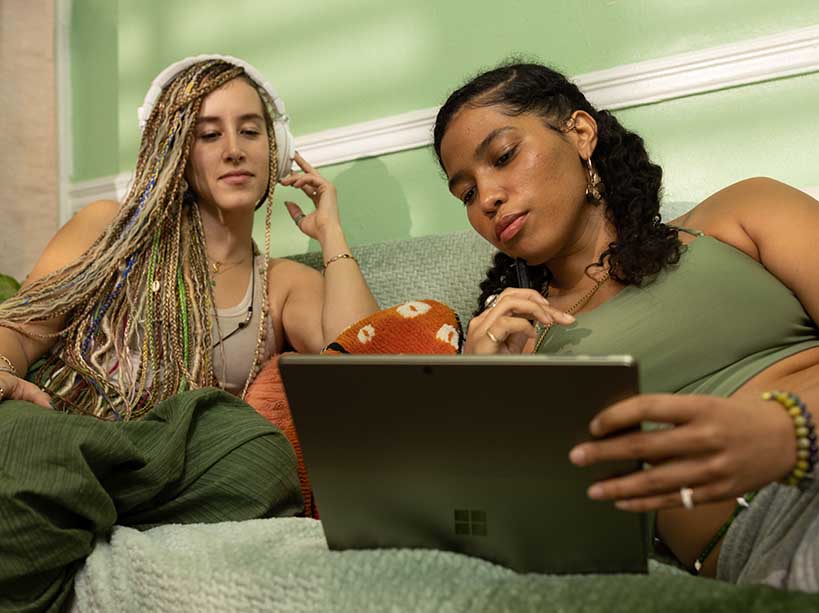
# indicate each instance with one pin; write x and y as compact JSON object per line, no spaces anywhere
{"x":337,"y":62}
{"x":94,"y":77}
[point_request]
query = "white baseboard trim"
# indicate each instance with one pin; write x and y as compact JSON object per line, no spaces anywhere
{"x":751,"y":61}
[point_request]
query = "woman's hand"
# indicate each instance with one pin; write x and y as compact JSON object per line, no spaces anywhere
{"x":15,"y":388}
{"x":321,"y":192}
{"x":720,"y":448}
{"x":506,"y":325}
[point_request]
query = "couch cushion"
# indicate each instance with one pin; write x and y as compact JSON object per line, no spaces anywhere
{"x":445,"y":267}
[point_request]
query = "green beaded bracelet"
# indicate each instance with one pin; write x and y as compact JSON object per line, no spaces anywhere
{"x":806,"y":456}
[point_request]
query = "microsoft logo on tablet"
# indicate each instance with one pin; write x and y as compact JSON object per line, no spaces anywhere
{"x":470,"y":522}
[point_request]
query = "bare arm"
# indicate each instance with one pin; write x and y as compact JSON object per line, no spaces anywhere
{"x":67,"y":245}
{"x":318,"y":307}
{"x":723,"y":447}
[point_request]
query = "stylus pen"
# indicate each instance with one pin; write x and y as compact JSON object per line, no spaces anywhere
{"x":523,"y":275}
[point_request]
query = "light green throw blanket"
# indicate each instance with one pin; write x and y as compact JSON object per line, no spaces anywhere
{"x":284,"y":565}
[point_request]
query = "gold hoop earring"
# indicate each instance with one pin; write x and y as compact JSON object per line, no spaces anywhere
{"x":594,"y":184}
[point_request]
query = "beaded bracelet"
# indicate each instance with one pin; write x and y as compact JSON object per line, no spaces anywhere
{"x":340,"y":256}
{"x":10,"y":365}
{"x":8,"y":370}
{"x":806,"y":455}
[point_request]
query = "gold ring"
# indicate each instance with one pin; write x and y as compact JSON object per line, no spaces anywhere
{"x":492,"y":337}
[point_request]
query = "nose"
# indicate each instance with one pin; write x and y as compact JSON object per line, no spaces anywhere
{"x":492,"y":196}
{"x":233,"y":151}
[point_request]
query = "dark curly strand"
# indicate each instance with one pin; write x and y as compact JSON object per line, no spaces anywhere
{"x":644,"y":244}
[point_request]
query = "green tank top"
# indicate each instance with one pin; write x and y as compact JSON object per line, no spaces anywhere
{"x":704,"y":326}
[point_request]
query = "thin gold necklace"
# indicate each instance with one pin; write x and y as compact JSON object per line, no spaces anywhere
{"x":219,"y":267}
{"x":544,"y":330}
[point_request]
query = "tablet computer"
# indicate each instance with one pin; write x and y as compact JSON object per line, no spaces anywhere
{"x":467,"y":454}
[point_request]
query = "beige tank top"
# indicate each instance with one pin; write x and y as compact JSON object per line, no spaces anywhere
{"x":235,"y":345}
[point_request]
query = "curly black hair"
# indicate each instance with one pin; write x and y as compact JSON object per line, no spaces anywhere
{"x":644,"y":244}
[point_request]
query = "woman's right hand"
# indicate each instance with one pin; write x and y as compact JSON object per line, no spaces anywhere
{"x":15,"y":388}
{"x":506,"y":325}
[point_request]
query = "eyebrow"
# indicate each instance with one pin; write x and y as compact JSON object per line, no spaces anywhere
{"x":480,"y":150}
{"x":245,"y":117}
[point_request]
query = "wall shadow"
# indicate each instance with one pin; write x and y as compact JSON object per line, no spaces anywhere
{"x":372,"y":203}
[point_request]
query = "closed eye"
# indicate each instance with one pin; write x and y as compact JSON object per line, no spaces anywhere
{"x":468,"y":195}
{"x":507,"y":155}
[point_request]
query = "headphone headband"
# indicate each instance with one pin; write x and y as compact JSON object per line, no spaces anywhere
{"x":285,"y":141}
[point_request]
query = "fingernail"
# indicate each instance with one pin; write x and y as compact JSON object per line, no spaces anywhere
{"x":569,"y":317}
{"x":594,"y":427}
{"x":623,"y":505}
{"x":595,"y":491}
{"x":577,"y":456}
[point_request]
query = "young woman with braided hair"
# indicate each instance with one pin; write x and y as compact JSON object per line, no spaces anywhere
{"x":140,"y":310}
{"x":719,"y":307}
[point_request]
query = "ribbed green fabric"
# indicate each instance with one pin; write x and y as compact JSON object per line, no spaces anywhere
{"x":201,"y":456}
{"x":703,"y":327}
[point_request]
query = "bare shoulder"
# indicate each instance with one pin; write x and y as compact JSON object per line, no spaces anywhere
{"x":284,"y":276}
{"x":742,"y":213}
{"x":285,"y":270}
{"x":75,"y":237}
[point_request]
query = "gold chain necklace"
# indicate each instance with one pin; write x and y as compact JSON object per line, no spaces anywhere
{"x":220,"y":267}
{"x":544,"y":330}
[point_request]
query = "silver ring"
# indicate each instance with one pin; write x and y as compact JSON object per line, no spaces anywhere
{"x":687,"y":497}
{"x":492,"y":337}
{"x":491,"y":301}
{"x":298,"y":218}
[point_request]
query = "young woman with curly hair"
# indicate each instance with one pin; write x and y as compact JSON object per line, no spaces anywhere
{"x":719,"y":307}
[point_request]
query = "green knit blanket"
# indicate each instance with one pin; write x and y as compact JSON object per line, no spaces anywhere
{"x":284,"y":565}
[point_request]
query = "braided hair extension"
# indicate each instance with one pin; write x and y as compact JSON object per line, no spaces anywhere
{"x":644,"y":244}
{"x":139,"y":303}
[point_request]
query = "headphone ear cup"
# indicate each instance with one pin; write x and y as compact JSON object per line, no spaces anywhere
{"x":286,"y":147}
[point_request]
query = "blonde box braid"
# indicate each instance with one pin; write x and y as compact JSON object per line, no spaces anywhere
{"x":134,"y":334}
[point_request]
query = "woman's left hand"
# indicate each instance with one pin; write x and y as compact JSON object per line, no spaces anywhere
{"x":721,"y":448}
{"x":321,"y":192}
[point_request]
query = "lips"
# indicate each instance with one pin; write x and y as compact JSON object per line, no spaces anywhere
{"x":236,"y":175}
{"x":509,"y":225}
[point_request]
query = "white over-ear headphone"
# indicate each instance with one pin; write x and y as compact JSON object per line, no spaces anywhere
{"x":285,"y":142}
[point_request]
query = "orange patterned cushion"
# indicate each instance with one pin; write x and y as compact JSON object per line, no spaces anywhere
{"x":421,"y":326}
{"x":266,"y":395}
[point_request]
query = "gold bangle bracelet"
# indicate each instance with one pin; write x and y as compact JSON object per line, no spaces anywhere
{"x":7,"y":361}
{"x":340,"y":256}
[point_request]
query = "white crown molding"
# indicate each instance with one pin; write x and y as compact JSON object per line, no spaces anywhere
{"x":370,"y":138}
{"x":751,"y":61}
{"x":754,"y":60}
{"x":113,"y":187}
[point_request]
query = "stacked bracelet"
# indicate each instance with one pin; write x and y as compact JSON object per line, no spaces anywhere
{"x":9,"y":368}
{"x":340,"y":256}
{"x":806,"y":454}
